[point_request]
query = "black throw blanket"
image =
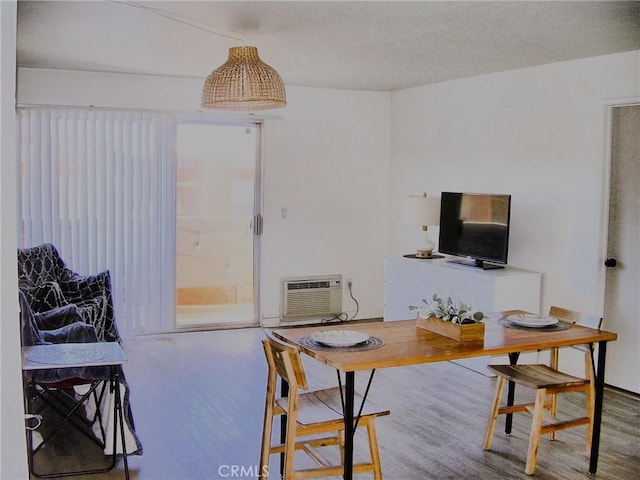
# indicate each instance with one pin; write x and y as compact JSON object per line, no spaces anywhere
{"x":66,"y":325}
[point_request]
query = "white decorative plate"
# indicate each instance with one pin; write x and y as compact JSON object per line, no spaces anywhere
{"x":530,"y":320}
{"x":340,"y":338}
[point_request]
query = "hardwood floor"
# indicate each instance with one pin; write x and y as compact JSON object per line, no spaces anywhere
{"x":198,"y":401}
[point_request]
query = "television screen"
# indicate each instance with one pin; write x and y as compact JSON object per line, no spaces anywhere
{"x":475,"y":226}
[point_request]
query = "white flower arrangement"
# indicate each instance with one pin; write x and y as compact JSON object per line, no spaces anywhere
{"x":448,"y":310}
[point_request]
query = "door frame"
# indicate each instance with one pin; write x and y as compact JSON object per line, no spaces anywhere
{"x":608,"y":107}
{"x":258,"y":206}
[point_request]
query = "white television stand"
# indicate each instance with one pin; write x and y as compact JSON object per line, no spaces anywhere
{"x":407,"y":281}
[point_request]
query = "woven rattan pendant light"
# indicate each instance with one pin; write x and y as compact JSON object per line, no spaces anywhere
{"x":244,"y":82}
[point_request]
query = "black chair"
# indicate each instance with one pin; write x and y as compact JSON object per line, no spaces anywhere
{"x":66,"y":307}
{"x":54,"y":389}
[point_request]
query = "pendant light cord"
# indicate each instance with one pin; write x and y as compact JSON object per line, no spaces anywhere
{"x":177,"y":19}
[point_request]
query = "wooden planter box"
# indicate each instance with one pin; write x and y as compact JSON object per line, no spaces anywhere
{"x":462,"y":333}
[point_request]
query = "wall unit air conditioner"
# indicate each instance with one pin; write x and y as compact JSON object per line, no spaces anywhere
{"x":314,"y":296}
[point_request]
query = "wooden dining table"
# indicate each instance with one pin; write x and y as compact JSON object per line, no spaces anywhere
{"x":406,"y":344}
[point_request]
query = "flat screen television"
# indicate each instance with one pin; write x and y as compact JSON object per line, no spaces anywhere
{"x":475,"y":227}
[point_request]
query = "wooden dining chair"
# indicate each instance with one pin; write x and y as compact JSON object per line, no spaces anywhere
{"x":548,"y":382}
{"x":313,"y":419}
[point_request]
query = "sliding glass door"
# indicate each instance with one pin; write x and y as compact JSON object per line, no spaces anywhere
{"x":165,"y":203}
{"x":217,"y":182}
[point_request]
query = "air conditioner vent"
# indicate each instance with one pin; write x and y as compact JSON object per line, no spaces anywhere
{"x":308,"y":285}
{"x":311,"y":297}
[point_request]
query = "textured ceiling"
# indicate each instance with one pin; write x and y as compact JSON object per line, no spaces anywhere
{"x":356,"y":45}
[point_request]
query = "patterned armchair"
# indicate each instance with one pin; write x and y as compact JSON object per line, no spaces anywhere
{"x":48,"y":284}
{"x":58,"y":305}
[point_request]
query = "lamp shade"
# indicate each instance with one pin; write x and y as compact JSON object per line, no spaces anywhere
{"x":243,"y":82}
{"x":423,"y":209}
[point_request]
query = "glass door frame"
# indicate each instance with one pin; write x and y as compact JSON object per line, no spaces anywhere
{"x":256,"y":220}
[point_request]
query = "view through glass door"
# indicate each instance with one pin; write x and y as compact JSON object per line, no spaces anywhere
{"x":215,"y":196}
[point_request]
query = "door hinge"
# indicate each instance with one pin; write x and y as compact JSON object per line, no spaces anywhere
{"x":257,"y":225}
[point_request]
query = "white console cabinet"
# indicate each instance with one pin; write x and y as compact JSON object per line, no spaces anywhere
{"x":407,"y":281}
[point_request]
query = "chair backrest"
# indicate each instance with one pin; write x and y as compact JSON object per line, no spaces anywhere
{"x":38,"y":265}
{"x":584,"y":319}
{"x":284,"y":361}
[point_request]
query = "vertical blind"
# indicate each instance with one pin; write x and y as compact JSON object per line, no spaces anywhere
{"x":100,"y":186}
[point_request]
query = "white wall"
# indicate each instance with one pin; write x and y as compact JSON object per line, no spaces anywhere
{"x":327,"y":164}
{"x":325,"y":161}
{"x":537,"y":133}
{"x":13,"y":453}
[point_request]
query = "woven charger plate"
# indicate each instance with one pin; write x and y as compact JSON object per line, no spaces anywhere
{"x":505,"y":322}
{"x":370,"y":344}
